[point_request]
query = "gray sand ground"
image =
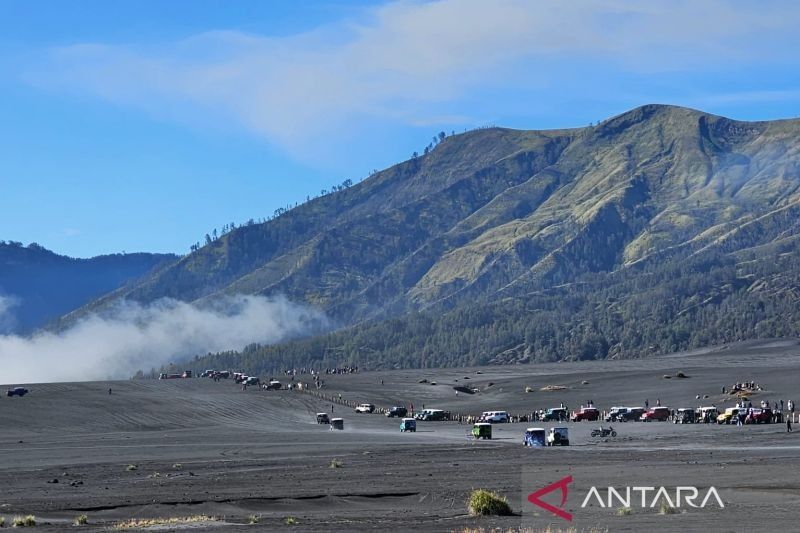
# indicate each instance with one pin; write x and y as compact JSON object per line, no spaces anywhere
{"x":261,"y":453}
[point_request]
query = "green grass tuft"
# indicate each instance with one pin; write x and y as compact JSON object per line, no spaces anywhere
{"x":666,"y":508}
{"x":486,"y":503}
{"x":24,"y":521}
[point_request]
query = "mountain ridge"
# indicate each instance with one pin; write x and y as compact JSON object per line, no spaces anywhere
{"x":43,"y":285}
{"x":496,"y":213}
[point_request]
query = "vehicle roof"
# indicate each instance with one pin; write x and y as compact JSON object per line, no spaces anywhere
{"x":321,"y":414}
{"x":561,"y":428}
{"x":332,"y":419}
{"x":535,"y":429}
{"x":483,"y":424}
{"x":409,"y":420}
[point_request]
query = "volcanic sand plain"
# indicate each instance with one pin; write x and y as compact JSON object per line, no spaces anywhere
{"x":195,"y":447}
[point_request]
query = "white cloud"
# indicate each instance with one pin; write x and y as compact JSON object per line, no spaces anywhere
{"x":400,"y":61}
{"x":7,"y":319}
{"x":137,"y":337}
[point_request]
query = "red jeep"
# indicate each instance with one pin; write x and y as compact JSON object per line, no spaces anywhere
{"x":586,"y":413}
{"x":660,"y":414}
{"x":759,"y":416}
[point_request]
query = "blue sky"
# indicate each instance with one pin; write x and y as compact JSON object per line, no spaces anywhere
{"x":143,"y":125}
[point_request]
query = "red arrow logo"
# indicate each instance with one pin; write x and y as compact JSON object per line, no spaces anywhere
{"x":535,"y":498}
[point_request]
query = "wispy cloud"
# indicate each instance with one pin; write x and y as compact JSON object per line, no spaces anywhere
{"x":7,"y":319}
{"x":397,"y":63}
{"x":135,"y":337}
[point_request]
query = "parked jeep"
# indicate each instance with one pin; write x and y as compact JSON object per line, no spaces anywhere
{"x":586,"y":413}
{"x":495,"y":417}
{"x":365,"y":408}
{"x":615,"y":414}
{"x":660,"y":414}
{"x":556,"y":414}
{"x":730,"y":415}
{"x":631,"y":415}
{"x":433,"y":415}
{"x":16,"y":391}
{"x":397,"y":411}
{"x":558,"y":437}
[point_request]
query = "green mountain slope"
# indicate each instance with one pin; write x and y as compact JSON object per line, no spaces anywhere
{"x":493,"y":217}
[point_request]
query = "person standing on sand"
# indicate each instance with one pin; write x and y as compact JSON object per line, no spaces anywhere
{"x":789,"y":424}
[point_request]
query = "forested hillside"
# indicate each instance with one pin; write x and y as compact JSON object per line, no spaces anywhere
{"x":658,"y":229}
{"x":40,"y":285}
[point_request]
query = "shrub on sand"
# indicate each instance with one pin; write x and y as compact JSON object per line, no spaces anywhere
{"x":666,"y":508}
{"x":163,"y":523}
{"x":482,"y":502}
{"x":624,"y":511}
{"x":336,"y":463}
{"x":131,"y":468}
{"x":81,"y":520}
{"x":24,"y":521}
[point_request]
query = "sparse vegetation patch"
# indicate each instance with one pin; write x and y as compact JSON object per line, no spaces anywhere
{"x":483,"y":502}
{"x":144,"y":523}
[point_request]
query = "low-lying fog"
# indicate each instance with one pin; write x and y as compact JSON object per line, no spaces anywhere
{"x":134,"y":336}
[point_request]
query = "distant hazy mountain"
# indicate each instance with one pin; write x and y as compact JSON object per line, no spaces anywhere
{"x":37,"y":285}
{"x":495,"y":219}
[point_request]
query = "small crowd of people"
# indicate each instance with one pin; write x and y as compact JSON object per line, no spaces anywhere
{"x":347,"y":369}
{"x":745,"y":386}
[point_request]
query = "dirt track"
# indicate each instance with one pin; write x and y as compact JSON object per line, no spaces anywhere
{"x":261,"y":453}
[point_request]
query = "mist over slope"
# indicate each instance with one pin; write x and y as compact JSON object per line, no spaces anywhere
{"x":133,"y":337}
{"x":499,"y":228}
{"x":37,"y":285}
